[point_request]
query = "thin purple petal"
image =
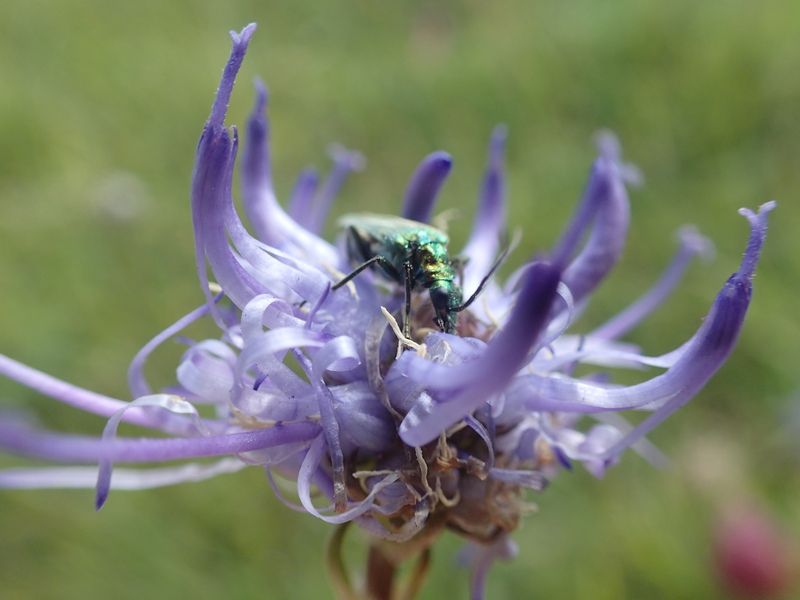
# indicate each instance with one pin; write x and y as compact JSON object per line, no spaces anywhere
{"x":136,"y":379}
{"x":490,"y":219}
{"x":271,"y":223}
{"x":607,"y":200}
{"x":424,"y":186}
{"x":344,"y":162}
{"x":223,"y":95}
{"x":504,"y":356}
{"x":73,"y":395}
{"x":691,"y":244}
{"x":171,"y":404}
{"x":213,"y":170}
{"x":72,"y":448}
{"x":302,"y":196}
{"x":700,"y":358}
{"x":124,"y":479}
{"x":720,"y":339}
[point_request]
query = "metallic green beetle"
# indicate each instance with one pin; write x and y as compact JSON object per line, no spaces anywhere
{"x":412,"y":254}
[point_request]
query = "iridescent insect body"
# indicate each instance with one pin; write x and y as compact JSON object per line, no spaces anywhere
{"x":412,"y":254}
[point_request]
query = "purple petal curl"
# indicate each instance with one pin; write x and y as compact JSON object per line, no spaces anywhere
{"x":490,"y":219}
{"x":644,"y":447}
{"x":172,"y":404}
{"x":260,"y":204}
{"x":336,"y":350}
{"x":136,"y":379}
{"x":700,"y":358}
{"x":609,"y":147}
{"x":691,"y":244}
{"x":267,"y":352}
{"x":480,"y":379}
{"x":206,"y":372}
{"x":424,"y":186}
{"x":486,"y":438}
{"x":310,"y":466}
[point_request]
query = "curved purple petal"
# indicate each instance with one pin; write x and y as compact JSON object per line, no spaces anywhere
{"x":260,"y":204}
{"x":337,"y":350}
{"x":699,"y":360}
{"x":310,"y":467}
{"x":136,"y":379}
{"x":223,"y":95}
{"x":691,"y":244}
{"x":344,"y":162}
{"x":480,"y":379}
{"x":210,"y":182}
{"x":303,"y":195}
{"x":258,"y":270}
{"x":731,"y":305}
{"x":270,"y":269}
{"x":480,"y":557}
{"x":172,"y":404}
{"x":607,"y":200}
{"x":490,"y":218}
{"x":271,"y":223}
{"x":74,"y":448}
{"x":124,"y":479}
{"x":364,"y":422}
{"x":207,"y":372}
{"x":424,"y":186}
{"x":73,"y":395}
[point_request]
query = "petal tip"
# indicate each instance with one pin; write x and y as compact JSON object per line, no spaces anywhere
{"x":498,"y":138}
{"x":758,"y":232}
{"x":243,"y":36}
{"x":608,"y":145}
{"x":760,"y":216}
{"x":352,"y":160}
{"x":690,"y":238}
{"x":100,"y":499}
{"x":441,"y":159}
{"x":261,"y":94}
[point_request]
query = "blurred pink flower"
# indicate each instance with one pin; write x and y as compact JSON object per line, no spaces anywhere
{"x":753,"y":558}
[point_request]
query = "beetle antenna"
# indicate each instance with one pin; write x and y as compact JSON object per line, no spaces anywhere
{"x":485,"y":279}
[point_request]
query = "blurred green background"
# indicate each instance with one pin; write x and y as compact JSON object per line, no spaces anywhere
{"x":101,"y":106}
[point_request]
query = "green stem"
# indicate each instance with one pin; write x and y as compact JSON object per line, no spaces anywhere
{"x":335,"y":565}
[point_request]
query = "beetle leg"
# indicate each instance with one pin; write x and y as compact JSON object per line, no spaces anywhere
{"x":358,"y":269}
{"x":485,"y":279}
{"x":409,"y":284}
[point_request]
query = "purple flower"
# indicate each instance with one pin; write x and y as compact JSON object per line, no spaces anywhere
{"x":306,"y":380}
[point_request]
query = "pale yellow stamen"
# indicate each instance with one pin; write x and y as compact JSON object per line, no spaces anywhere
{"x":420,"y":349}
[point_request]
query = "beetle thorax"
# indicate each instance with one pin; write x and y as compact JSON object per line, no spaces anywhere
{"x":434,"y":265}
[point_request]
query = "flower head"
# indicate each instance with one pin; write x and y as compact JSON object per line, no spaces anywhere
{"x":412,"y":407}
